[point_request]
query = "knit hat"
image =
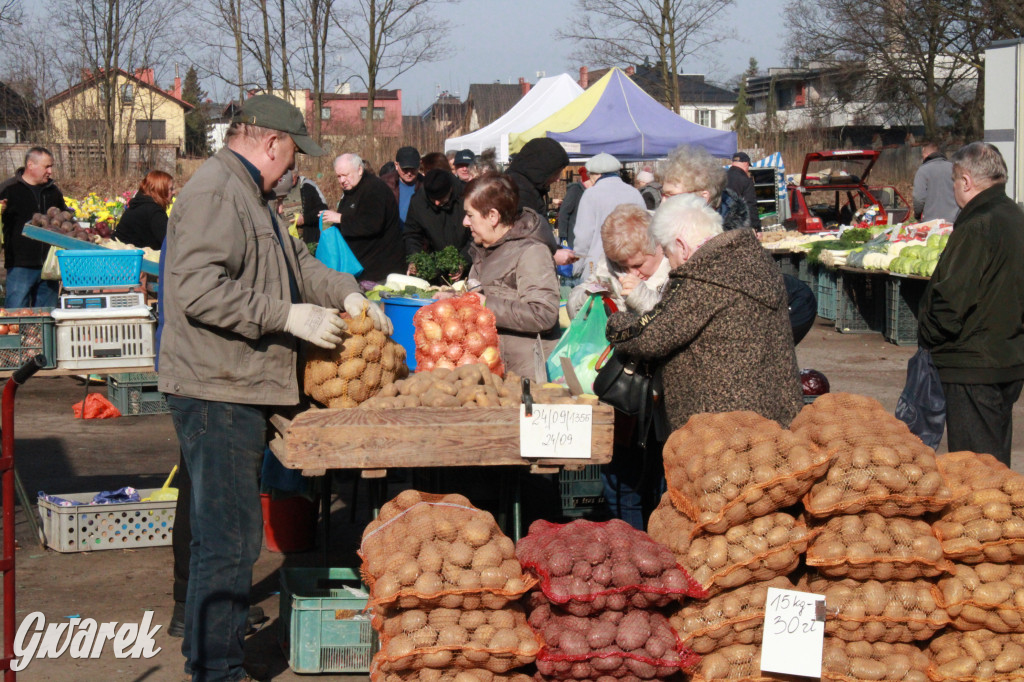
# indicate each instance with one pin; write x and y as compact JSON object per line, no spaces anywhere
{"x":603,"y":163}
{"x":437,"y":184}
{"x":645,"y":177}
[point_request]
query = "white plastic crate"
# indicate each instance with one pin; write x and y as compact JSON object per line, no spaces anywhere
{"x":125,"y":525}
{"x":100,"y":344}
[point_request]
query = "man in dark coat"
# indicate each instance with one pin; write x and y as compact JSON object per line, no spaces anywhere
{"x":435,"y":216}
{"x":405,"y":179}
{"x":367,"y":217}
{"x":737,"y":178}
{"x":31,"y":192}
{"x":534,"y":168}
{"x":972,"y":311}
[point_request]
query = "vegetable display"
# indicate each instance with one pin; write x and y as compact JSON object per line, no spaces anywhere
{"x":976,"y":656}
{"x":985,"y":596}
{"x":454,"y":332}
{"x":858,"y":661}
{"x":985,"y":524}
{"x":448,"y":675}
{"x":64,"y":222}
{"x":468,"y":386}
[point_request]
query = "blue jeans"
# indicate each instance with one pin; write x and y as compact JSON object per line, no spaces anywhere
{"x":222,"y":444}
{"x":27,"y":289}
{"x":633,"y":483}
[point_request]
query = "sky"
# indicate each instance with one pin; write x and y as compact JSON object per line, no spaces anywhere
{"x":503,"y":40}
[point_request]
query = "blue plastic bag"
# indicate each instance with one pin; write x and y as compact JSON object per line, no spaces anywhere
{"x":922,"y":405}
{"x":334,"y":252}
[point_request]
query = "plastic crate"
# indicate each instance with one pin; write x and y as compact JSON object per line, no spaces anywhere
{"x":860,"y":304}
{"x":902,"y":300}
{"x":34,"y":336}
{"x":125,"y":525}
{"x":104,"y":268}
{"x":807,"y":273}
{"x":787,"y":262}
{"x":99,"y":344}
{"x":324,"y":628}
{"x":826,"y":292}
{"x":582,"y":491}
{"x":137,"y":397}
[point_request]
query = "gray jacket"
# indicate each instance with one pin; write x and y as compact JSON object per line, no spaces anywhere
{"x":226,"y":292}
{"x":933,"y":189}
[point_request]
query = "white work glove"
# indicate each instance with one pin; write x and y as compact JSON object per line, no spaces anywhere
{"x":320,"y":326}
{"x":354,"y":304}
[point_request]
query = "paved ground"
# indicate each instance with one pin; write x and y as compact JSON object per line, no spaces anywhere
{"x":60,"y":455}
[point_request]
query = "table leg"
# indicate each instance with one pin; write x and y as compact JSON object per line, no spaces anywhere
{"x":325,"y":514}
{"x":26,"y":504}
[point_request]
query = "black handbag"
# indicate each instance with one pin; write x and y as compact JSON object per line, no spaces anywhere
{"x":632,"y":387}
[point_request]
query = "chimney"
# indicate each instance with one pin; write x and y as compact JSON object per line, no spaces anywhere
{"x":584,"y":79}
{"x":177,"y":87}
{"x":524,"y":87}
{"x":630,"y":70}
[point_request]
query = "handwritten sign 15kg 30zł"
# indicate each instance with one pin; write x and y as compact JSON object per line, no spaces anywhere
{"x":794,"y":632}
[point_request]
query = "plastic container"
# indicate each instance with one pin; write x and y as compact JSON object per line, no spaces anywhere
{"x":136,"y":394}
{"x":100,"y":344}
{"x":125,"y":525}
{"x":826,"y":293}
{"x":89,"y":269}
{"x":35,"y":335}
{"x":860,"y":306}
{"x":289,"y":523}
{"x":902,"y":299}
{"x":324,"y":628}
{"x":582,"y":491}
{"x":401,"y":312}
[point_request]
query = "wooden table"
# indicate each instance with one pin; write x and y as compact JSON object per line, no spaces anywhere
{"x":6,"y":374}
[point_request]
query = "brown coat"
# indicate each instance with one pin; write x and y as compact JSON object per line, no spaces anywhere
{"x":722,"y":330}
{"x":518,"y":278}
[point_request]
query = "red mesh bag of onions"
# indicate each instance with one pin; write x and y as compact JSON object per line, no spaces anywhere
{"x":456,"y":331}
{"x":616,"y":644}
{"x":587,"y":567}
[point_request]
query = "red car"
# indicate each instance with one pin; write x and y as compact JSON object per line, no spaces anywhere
{"x":833,"y":188}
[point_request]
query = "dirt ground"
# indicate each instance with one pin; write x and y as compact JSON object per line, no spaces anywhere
{"x":59,"y":455}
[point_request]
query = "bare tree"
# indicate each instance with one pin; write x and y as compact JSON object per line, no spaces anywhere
{"x":390,"y":37}
{"x":313,"y":50}
{"x":631,"y":31}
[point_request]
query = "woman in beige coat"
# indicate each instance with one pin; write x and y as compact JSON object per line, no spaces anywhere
{"x":513,"y":270}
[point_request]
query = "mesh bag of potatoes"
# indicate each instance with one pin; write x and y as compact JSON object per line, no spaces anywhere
{"x":726,"y":468}
{"x":873,"y":547}
{"x":985,"y":524}
{"x":355,"y":370}
{"x":871,"y":611}
{"x":494,"y":640}
{"x":634,"y":643}
{"x":733,"y":617}
{"x":589,"y":567}
{"x":879,"y":464}
{"x":975,"y":656}
{"x":439,"y":550}
{"x":860,"y":661}
{"x":467,"y":386}
{"x":757,"y":550}
{"x":985,"y":596}
{"x":967,"y":471}
{"x":736,"y":663}
{"x":445,"y":675}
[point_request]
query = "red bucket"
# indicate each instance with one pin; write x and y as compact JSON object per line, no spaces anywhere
{"x":288,"y":523}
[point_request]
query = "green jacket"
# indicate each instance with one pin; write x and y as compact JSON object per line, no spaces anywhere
{"x":972,"y":311}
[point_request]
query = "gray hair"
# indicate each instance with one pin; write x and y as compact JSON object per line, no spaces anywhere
{"x":351,"y":159}
{"x":35,"y":153}
{"x":696,"y":170}
{"x":239,"y":130}
{"x":982,"y":161}
{"x":686,"y":216}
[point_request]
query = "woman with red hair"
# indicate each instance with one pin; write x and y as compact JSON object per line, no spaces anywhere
{"x":144,"y":222}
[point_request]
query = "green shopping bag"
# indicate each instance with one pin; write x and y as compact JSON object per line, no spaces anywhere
{"x":583,"y":342}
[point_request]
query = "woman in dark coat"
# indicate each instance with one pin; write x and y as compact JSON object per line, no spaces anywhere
{"x":144,"y":222}
{"x":721,"y":330}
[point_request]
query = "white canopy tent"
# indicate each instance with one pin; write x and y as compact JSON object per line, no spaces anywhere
{"x":545,"y":98}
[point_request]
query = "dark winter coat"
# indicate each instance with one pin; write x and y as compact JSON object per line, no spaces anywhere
{"x":722,"y":331}
{"x":567,"y":212}
{"x":369,"y":223}
{"x":536,"y":163}
{"x":743,"y":186}
{"x":22,"y":204}
{"x":392,"y":180}
{"x":431,"y":228}
{"x":518,"y":278}
{"x":972,"y":311}
{"x":734,"y":211}
{"x":144,"y":223}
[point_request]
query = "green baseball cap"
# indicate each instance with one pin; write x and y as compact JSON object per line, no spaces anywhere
{"x":270,"y":111}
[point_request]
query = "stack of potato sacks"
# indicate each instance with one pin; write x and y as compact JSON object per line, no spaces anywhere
{"x":874,"y":556}
{"x":982,"y":532}
{"x":445,"y":587}
{"x":597,"y":608}
{"x":729,"y":475}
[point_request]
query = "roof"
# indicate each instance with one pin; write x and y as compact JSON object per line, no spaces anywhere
{"x":15,"y":109}
{"x":693,"y":89}
{"x":91,"y":79}
{"x":491,"y":100}
{"x":381,"y":95}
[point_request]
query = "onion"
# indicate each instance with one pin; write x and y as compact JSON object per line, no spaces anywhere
{"x":467,"y":314}
{"x":425,"y":365}
{"x":490,"y":356}
{"x":485,"y":319}
{"x":443,"y":310}
{"x":467,"y":359}
{"x":4,"y":329}
{"x":454,"y":352}
{"x":436,"y":349}
{"x":14,"y":328}
{"x":490,"y":336}
{"x":453,"y":330}
{"x":474,"y":342}
{"x":444,"y":362}
{"x":813,"y":382}
{"x":431,"y":330}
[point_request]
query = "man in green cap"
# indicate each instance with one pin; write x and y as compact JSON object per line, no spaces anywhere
{"x":239,"y":294}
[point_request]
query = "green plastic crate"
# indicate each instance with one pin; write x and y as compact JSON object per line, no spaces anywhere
{"x":788,"y":263}
{"x":582,"y":491}
{"x":35,"y":336}
{"x":860,"y":303}
{"x":807,"y":273}
{"x":138,"y":396}
{"x":324,"y":628}
{"x":826,"y":293}
{"x":903,"y":297}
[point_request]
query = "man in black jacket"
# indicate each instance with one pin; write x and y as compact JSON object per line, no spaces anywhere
{"x":367,"y":217}
{"x":972,"y":312}
{"x":737,"y":178}
{"x":24,"y":195}
{"x":537,"y":165}
{"x":435,"y":216}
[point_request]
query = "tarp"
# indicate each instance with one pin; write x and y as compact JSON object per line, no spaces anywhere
{"x":546,"y":97}
{"x":616,"y":116}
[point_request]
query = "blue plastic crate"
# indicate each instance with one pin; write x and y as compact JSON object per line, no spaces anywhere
{"x":106,"y":268}
{"x":903,"y":297}
{"x":826,"y":293}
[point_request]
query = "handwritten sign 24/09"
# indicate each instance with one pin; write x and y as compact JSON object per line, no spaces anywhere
{"x":560,"y":431}
{"x":794,"y":631}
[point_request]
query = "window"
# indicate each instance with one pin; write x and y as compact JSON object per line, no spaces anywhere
{"x":150,"y":131}
{"x":82,"y":129}
{"x":706,"y":117}
{"x":378,"y":113}
{"x":325,"y":113}
{"x":127,"y":94}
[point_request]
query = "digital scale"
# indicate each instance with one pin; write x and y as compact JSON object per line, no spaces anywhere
{"x":101,"y":299}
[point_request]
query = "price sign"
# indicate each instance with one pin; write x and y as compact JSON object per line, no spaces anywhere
{"x":794,"y":631}
{"x":559,"y":431}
